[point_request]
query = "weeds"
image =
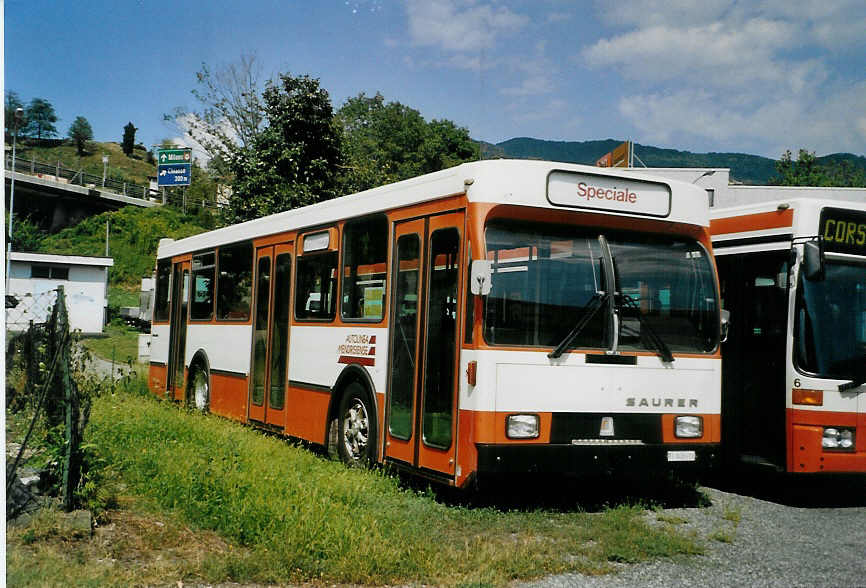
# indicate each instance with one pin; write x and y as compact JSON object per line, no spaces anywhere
{"x":291,"y":516}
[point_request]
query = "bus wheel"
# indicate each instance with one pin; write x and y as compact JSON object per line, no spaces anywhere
{"x":356,"y":429}
{"x":200,"y":389}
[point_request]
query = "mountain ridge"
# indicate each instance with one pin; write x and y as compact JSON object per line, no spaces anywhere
{"x":745,"y":168}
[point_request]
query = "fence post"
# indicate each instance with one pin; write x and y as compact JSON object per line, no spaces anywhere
{"x":32,"y":164}
{"x":71,"y":461}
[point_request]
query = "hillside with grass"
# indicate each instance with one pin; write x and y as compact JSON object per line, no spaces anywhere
{"x":134,"y":234}
{"x":136,"y":168}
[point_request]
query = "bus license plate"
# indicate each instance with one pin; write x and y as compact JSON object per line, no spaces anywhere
{"x":681,"y":456}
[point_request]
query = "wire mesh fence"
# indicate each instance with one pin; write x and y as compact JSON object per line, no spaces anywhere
{"x":41,"y":392}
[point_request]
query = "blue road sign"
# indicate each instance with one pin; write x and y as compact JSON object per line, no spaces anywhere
{"x":174,"y":174}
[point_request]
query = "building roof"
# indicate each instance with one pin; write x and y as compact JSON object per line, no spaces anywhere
{"x":61,"y":259}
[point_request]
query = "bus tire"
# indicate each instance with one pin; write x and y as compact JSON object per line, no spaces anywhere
{"x":200,"y":388}
{"x":356,"y":435}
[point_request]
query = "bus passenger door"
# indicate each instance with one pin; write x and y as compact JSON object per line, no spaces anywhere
{"x":177,"y":340}
{"x":270,"y":348}
{"x":422,"y":395}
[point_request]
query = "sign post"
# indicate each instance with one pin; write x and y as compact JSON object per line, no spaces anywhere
{"x":174,"y":167}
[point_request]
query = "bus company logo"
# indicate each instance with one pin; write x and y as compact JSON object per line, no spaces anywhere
{"x":358,"y":349}
{"x":658,"y":402}
{"x":601,"y":193}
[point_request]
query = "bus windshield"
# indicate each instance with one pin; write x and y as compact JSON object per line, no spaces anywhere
{"x":546,"y":277}
{"x":830,"y":330}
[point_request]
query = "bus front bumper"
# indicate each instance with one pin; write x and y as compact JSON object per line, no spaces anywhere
{"x":604,"y":459}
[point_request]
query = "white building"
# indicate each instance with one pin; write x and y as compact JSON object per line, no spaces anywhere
{"x":33,"y":281}
{"x":722,"y":194}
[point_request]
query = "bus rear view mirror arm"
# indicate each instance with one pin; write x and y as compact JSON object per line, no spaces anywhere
{"x":724,"y":325}
{"x":481,"y":278}
{"x":813,"y":260}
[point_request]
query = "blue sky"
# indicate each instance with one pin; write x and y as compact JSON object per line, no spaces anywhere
{"x":711,"y":75}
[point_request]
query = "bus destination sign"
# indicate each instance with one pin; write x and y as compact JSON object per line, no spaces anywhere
{"x":608,"y":193}
{"x":843,"y":231}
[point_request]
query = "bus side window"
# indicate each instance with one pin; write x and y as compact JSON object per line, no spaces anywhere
{"x":163,"y":279}
{"x":316,"y":286}
{"x":234,"y":282}
{"x":203,"y":287}
{"x":365,"y":251}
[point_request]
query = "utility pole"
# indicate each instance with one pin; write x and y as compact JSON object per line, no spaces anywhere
{"x":19,"y":116}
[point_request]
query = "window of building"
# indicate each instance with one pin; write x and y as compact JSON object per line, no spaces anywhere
{"x":365,"y":251}
{"x":202,"y":287}
{"x":235,"y":282}
{"x":316,"y":286}
{"x":49,"y":272}
{"x":163,"y":279}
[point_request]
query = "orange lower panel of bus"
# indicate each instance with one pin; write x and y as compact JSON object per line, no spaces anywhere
{"x":157,"y":379}
{"x":806,"y":453}
{"x":229,"y":395}
{"x":307,"y":413}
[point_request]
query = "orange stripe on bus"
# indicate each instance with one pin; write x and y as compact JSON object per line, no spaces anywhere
{"x":752,"y":222}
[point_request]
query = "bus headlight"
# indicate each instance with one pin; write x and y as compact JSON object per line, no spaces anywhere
{"x":521,"y":426}
{"x":689,"y":427}
{"x":838,"y":438}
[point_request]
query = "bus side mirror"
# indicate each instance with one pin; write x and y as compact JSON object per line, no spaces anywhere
{"x":481,"y":277}
{"x":724,"y":325}
{"x":813,"y":260}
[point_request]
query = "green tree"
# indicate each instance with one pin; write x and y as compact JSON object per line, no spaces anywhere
{"x":13,"y":103}
{"x":26,"y":234}
{"x":294,"y":160}
{"x":80,"y":132}
{"x":388,"y":142}
{"x":807,"y":171}
{"x":128,"y":138}
{"x":40,"y":119}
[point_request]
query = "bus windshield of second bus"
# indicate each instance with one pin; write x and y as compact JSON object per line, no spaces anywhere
{"x":830,"y":325}
{"x":546,"y":278}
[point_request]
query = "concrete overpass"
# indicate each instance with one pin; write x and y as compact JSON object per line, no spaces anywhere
{"x":57,"y":204}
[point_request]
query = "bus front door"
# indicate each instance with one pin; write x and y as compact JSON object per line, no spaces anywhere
{"x":421,"y":421}
{"x":270,"y":348}
{"x":177,"y":340}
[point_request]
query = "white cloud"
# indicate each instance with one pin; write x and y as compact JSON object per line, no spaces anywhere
{"x":826,"y":123}
{"x":760,"y":74}
{"x":713,"y":53}
{"x":537,"y":73}
{"x":460,"y":25}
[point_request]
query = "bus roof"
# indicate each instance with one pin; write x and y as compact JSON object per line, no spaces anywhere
{"x":790,"y":217}
{"x":503,"y":181}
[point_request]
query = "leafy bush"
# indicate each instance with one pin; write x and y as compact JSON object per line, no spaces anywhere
{"x":134,"y":234}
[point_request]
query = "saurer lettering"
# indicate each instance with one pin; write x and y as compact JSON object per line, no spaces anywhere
{"x":658,"y":402}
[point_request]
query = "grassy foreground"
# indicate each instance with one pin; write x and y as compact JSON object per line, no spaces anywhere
{"x":261,"y":510}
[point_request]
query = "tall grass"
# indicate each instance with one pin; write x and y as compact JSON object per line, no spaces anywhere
{"x":303,"y":518}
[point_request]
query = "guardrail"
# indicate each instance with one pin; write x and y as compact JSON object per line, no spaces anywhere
{"x":79,"y":178}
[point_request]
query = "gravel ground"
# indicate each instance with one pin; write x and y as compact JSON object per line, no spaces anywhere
{"x":772,"y":543}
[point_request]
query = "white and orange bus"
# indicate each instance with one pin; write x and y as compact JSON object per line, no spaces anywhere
{"x":496,"y":317}
{"x":793,"y":276}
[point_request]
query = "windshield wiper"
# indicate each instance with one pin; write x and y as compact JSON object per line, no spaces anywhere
{"x":858,"y":380}
{"x":653,"y":337}
{"x":597,"y":301}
